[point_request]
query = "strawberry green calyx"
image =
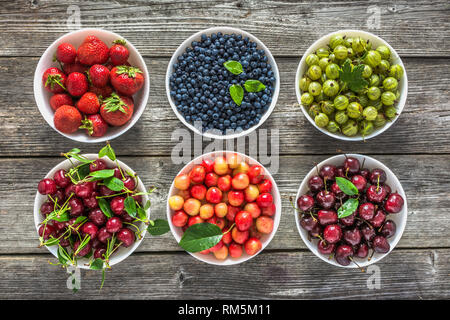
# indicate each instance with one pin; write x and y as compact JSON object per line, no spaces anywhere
{"x":120,"y":41}
{"x":87,"y":124}
{"x":52,"y":79}
{"x":130,"y":71}
{"x":114,"y":103}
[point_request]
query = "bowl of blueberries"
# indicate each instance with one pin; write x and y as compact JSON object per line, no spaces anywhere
{"x":222,"y":83}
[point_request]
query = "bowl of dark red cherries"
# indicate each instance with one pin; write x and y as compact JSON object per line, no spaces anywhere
{"x":91,"y":210}
{"x":351,"y":210}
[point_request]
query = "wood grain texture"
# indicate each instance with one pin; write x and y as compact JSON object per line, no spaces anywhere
{"x":157,"y":27}
{"x":428,"y":199}
{"x":179,"y":276}
{"x":421,"y":128}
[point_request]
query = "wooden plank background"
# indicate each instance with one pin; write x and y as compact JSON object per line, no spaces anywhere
{"x":416,"y":148}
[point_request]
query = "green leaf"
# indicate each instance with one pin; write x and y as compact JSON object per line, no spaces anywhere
{"x":83,"y":171}
{"x":130,"y":206}
{"x":346,"y":186}
{"x":63,"y":256}
{"x":83,"y":244}
{"x":51,"y":242}
{"x":75,"y":150}
{"x":114,"y":184}
{"x":80,"y":219}
{"x":107,"y":151}
{"x":201,"y":236}
{"x":234,"y":67}
{"x":353,"y":77}
{"x":147,"y":205}
{"x":141,"y":213}
{"x":237,"y":93}
{"x":159,"y":227}
{"x":102,"y":174}
{"x":96,"y":264}
{"x":80,"y":158}
{"x":254,"y":86}
{"x":348,"y":208}
{"x":104,"y":206}
{"x":64,"y":216}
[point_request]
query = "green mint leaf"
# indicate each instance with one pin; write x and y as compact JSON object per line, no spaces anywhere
{"x":104,"y":206}
{"x":108,"y":152}
{"x":114,"y":184}
{"x":96,"y":264}
{"x":130,"y":206}
{"x":254,"y":86}
{"x":346,"y":186}
{"x":102,"y":174}
{"x":159,"y":227}
{"x":237,"y":93}
{"x":200,"y":236}
{"x":348,"y":208}
{"x":234,"y":67}
{"x":353,"y":77}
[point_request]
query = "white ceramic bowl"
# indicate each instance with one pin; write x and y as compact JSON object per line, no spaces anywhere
{"x":42,"y":96}
{"x":225,"y":30}
{"x":265,"y":239}
{"x":122,"y":253}
{"x":376,"y":41}
{"x":398,"y":218}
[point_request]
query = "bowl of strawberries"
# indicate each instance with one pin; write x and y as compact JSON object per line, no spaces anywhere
{"x":91,"y":85}
{"x":224,"y":208}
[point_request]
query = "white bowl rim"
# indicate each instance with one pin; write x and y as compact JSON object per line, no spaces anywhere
{"x":37,"y":85}
{"x":225,"y":29}
{"x":277,"y":217}
{"x":403,"y":214}
{"x":403,"y":95}
{"x":115,"y":259}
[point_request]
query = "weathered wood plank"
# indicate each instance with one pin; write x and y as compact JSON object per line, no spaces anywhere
{"x":422,"y":178}
{"x":287,"y":27}
{"x":420,"y":129}
{"x":179,"y":276}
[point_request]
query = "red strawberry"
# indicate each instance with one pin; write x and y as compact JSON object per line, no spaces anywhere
{"x":99,"y":75}
{"x":67,"y":119}
{"x":77,"y":84}
{"x":101,"y":92}
{"x":119,"y":53}
{"x":74,"y":67}
{"x":60,"y":99}
{"x":66,"y":53}
{"x":117,"y":110}
{"x":127,"y":80}
{"x":110,"y":65}
{"x":94,"y":125}
{"x":93,"y":51}
{"x":88,"y":103}
{"x":54,"y":80}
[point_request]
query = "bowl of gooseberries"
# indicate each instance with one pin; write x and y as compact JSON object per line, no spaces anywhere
{"x":351,"y":85}
{"x":351,"y":210}
{"x":224,"y":208}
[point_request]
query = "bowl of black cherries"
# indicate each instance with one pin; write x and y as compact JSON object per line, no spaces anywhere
{"x":351,"y":210}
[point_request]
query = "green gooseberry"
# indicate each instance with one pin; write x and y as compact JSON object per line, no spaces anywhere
{"x":321,"y":120}
{"x":350,"y":128}
{"x":323,"y":63}
{"x":342,"y":62}
{"x":377,"y":104}
{"x":397,"y":94}
{"x":341,"y":117}
{"x":348,"y":42}
{"x":314,"y":110}
{"x":312,"y":59}
{"x":359,"y":45}
{"x":366,"y":127}
{"x":315,"y":88}
{"x":331,"y":57}
{"x":332,"y":71}
{"x":350,"y":53}
{"x":374,"y":80}
{"x":304,"y":83}
{"x":363,"y":100}
{"x":322,"y":52}
{"x":323,"y":77}
{"x":330,"y":88}
{"x":396,"y":71}
{"x":336,"y":40}
{"x":320,"y":97}
{"x":333,"y":127}
{"x":340,"y":52}
{"x":379,"y":121}
{"x":341,"y":102}
{"x":384,"y":65}
{"x":384,"y":52}
{"x":367,"y":72}
{"x":354,"y":110}
{"x":327,"y":107}
{"x":306,"y":99}
{"x":314,"y":72}
{"x":373,"y":58}
{"x":388,"y":98}
{"x":390,"y":84}
{"x":370,"y":113}
{"x":390,"y":112}
{"x":373,"y":93}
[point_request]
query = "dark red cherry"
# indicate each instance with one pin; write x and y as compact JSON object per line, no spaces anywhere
{"x":389,"y":229}
{"x":377,"y":176}
{"x":83,"y":251}
{"x":47,"y":186}
{"x":348,"y":220}
{"x":305,"y":202}
{"x":327,"y":217}
{"x":316,"y":231}
{"x":118,"y":173}
{"x":315,"y":184}
{"x":89,"y":228}
{"x":59,"y":196}
{"x":105,"y":191}
{"x":126,"y":236}
{"x":91,"y":202}
{"x":46,"y":208}
{"x":84,"y":190}
{"x":332,"y":233}
{"x":97,"y":165}
{"x":366,"y":211}
{"x":394,"y":203}
{"x":378,"y":218}
{"x":76,"y":207}
{"x":113,"y":224}
{"x":138,"y":198}
{"x":118,"y":205}
{"x":129,"y":183}
{"x":340,"y":172}
{"x":325,"y":248}
{"x":70,"y":189}
{"x":368,"y":233}
{"x":365,"y":173}
{"x":352,"y":236}
{"x":360,"y":182}
{"x":103,"y":235}
{"x":126,"y":217}
{"x":343,"y":254}
{"x":97,"y":217}
{"x":380,"y":244}
{"x":45,"y":231}
{"x":376,"y":193}
{"x":351,"y":165}
{"x":60,"y":178}
{"x":308,"y":223}
{"x":325,"y":199}
{"x":328,"y":172}
{"x":336,"y":190}
{"x":362,"y":250}
{"x":99,"y":253}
